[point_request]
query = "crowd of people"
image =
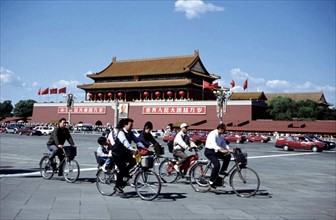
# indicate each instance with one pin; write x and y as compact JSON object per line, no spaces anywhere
{"x":117,"y":150}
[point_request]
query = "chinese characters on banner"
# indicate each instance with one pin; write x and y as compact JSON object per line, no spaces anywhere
{"x":191,"y":110}
{"x":83,"y":110}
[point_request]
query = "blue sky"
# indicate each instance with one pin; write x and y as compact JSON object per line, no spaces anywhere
{"x":279,"y":46}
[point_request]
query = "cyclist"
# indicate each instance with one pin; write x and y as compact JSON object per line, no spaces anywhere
{"x":56,"y":142}
{"x":122,"y":152}
{"x":181,"y":143}
{"x":215,"y":149}
{"x":104,"y":153}
{"x":147,"y":139}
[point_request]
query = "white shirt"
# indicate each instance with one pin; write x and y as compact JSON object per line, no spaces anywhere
{"x":215,"y":141}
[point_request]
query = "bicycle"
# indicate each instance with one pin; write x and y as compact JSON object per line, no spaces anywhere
{"x":147,"y":183}
{"x":68,"y":165}
{"x":169,"y":174}
{"x":244,"y":181}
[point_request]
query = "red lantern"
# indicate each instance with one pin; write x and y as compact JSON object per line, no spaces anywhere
{"x":146,"y":94}
{"x":100,"y":95}
{"x":120,"y":94}
{"x":90,"y":95}
{"x":181,"y":93}
{"x":169,"y":93}
{"x":157,"y":93}
{"x":109,"y":95}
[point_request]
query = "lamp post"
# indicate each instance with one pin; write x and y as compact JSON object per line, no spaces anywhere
{"x":70,"y":102}
{"x":222,"y":95}
{"x":116,"y":107}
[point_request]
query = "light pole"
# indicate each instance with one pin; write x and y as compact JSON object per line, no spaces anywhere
{"x":222,"y":95}
{"x":116,"y":109}
{"x":70,"y":102}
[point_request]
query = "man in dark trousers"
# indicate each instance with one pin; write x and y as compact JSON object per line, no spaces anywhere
{"x":56,"y":143}
{"x":122,"y":152}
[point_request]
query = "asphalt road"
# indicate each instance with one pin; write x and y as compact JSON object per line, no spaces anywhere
{"x":294,"y":185}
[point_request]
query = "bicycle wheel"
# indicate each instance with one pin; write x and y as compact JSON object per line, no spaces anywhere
{"x":245,"y":182}
{"x":167,"y":172}
{"x":70,"y":170}
{"x":156,"y":165}
{"x":45,"y":168}
{"x":200,"y":174}
{"x":106,"y":181}
{"x":147,"y":185}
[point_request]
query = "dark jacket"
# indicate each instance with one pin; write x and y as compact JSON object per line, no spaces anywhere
{"x":59,"y":136}
{"x":147,"y":139}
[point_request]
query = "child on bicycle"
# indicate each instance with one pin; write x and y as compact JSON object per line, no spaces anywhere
{"x":147,"y":139}
{"x":215,"y":149}
{"x":104,"y":153}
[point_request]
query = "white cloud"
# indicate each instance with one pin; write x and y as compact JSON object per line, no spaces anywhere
{"x":8,"y":77}
{"x":195,"y":8}
{"x":277,"y":84}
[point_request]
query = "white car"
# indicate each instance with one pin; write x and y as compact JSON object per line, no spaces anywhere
{"x":44,"y":129}
{"x":136,"y":132}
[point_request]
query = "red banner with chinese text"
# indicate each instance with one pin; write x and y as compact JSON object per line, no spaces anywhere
{"x":174,"y":110}
{"x":82,"y":110}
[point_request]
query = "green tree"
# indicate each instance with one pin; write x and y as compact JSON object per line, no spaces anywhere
{"x":24,"y":108}
{"x":327,"y":114}
{"x":282,"y":108}
{"x":6,"y":109}
{"x":308,"y":109}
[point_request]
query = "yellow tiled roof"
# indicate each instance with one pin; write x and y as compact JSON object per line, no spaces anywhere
{"x":137,"y":84}
{"x":153,"y":66}
{"x":248,"y":96}
{"x":314,"y":96}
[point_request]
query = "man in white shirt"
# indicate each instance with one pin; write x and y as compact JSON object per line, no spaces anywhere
{"x":215,"y":149}
{"x":181,"y":143}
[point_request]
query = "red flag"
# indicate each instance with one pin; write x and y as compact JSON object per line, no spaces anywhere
{"x":207,"y":85}
{"x":62,"y":90}
{"x":233,"y":84}
{"x":53,"y":91}
{"x":245,"y":85}
{"x":45,"y":91}
{"x":39,"y":91}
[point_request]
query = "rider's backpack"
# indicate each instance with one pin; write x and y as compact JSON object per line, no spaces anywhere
{"x":170,"y":145}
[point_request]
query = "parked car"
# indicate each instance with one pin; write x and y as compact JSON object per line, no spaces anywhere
{"x":83,"y":127}
{"x":232,"y":137}
{"x":328,"y":144}
{"x":198,"y":137}
{"x":2,"y":129}
{"x":13,"y":128}
{"x":157,"y":133}
{"x":29,"y":130}
{"x":300,"y":142}
{"x":258,"y":138}
{"x":136,"y":132}
{"x":169,"y":137}
{"x":44,"y":129}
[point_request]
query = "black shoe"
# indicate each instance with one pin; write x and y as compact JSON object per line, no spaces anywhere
{"x":60,"y":174}
{"x":223,"y":173}
{"x":118,"y":189}
{"x":212,"y":185}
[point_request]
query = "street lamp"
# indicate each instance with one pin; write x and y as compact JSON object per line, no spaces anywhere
{"x":70,"y":102}
{"x":116,"y":109}
{"x":222,"y":95}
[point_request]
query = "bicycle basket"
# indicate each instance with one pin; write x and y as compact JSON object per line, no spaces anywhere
{"x":147,"y":161}
{"x":241,"y":159}
{"x":70,"y":152}
{"x":158,"y":150}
